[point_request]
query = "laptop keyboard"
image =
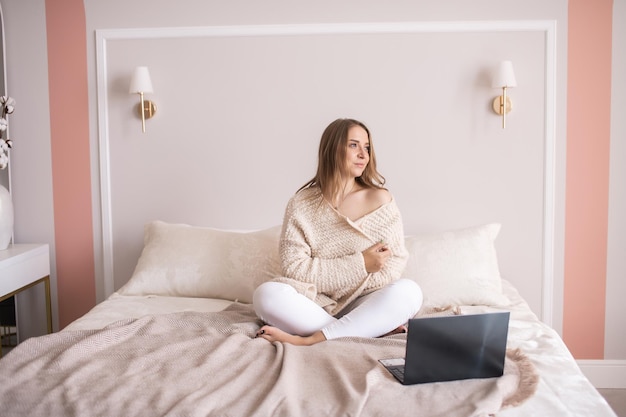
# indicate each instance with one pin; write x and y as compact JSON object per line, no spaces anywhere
{"x":398,"y":372}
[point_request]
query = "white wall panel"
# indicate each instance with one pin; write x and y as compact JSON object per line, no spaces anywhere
{"x":241,"y":110}
{"x":615,"y":339}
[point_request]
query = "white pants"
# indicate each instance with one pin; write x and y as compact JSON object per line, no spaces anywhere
{"x":371,"y":315}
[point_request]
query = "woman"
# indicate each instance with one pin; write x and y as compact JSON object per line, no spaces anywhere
{"x":342,"y":251}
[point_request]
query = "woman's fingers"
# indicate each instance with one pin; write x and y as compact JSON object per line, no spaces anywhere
{"x":376,"y":256}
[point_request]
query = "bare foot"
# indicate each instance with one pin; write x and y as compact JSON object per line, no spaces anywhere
{"x":397,"y":330}
{"x":274,"y":334}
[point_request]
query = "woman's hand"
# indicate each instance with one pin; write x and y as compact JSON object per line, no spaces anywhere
{"x":376,"y":257}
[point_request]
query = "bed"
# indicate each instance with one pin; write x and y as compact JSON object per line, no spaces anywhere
{"x":178,"y":339}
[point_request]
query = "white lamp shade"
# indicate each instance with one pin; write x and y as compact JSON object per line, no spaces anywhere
{"x":504,"y":76}
{"x":140,"y":82}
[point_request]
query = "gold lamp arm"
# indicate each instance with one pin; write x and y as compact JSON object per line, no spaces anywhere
{"x":143,"y":115}
{"x":503,"y":107}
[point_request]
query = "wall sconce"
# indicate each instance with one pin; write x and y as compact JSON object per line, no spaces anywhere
{"x":504,"y":78}
{"x":141,"y":83}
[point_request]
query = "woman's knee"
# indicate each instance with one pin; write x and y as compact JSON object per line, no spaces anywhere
{"x":409,"y":292}
{"x":266,"y":293}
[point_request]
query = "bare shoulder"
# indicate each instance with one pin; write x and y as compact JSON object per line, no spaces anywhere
{"x":378,"y":196}
{"x":363,"y":201}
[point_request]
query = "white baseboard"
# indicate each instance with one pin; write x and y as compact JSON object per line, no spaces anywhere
{"x":604,"y":373}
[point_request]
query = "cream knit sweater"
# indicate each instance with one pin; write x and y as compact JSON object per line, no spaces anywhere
{"x":320,"y":250}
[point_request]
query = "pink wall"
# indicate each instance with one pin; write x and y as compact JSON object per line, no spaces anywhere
{"x":587,"y":188}
{"x":71,"y":174}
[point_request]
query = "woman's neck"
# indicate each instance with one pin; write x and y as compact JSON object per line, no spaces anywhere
{"x":348,"y":188}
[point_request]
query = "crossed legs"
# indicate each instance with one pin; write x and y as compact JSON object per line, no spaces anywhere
{"x":293,"y":318}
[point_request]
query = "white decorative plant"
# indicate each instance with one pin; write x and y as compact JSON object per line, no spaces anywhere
{"x":8,"y":105}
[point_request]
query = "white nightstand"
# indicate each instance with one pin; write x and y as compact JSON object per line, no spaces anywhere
{"x":23,"y":266}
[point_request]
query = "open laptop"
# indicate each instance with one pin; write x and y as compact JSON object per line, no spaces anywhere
{"x":451,"y":348}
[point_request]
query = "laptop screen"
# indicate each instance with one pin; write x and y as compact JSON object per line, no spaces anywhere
{"x":456,"y":347}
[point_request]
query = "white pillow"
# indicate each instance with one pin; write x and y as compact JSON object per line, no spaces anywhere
{"x":188,"y":261}
{"x":457,"y":267}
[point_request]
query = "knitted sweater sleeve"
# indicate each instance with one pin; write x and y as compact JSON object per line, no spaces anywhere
{"x":393,"y":231}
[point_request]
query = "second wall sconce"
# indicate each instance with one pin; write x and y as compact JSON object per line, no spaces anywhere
{"x":504,"y":78}
{"x":141,"y":83}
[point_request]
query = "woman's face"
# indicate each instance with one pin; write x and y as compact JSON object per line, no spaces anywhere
{"x":358,"y":152}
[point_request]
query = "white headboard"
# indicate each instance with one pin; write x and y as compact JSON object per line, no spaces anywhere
{"x":240,"y":110}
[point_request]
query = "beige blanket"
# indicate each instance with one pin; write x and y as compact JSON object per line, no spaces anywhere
{"x":201,"y":364}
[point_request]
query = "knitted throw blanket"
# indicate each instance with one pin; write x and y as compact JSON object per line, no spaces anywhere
{"x":210,"y":364}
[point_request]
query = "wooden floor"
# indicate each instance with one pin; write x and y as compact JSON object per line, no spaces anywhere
{"x":617,"y":399}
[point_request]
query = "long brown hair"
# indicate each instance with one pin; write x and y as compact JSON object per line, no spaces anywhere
{"x":331,"y":166}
